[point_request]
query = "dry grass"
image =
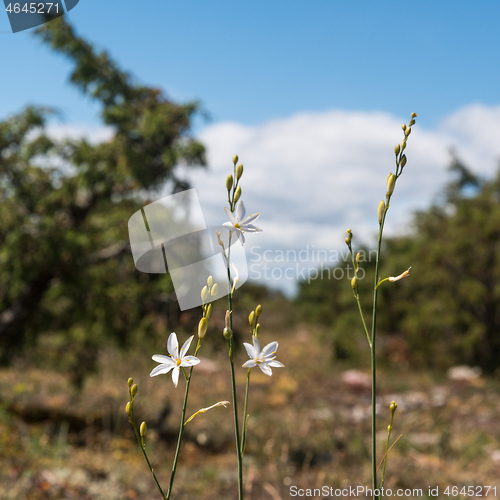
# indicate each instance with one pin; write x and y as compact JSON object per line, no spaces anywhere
{"x":307,"y":428}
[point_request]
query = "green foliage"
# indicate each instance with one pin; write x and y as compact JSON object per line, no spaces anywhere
{"x":446,"y":311}
{"x":66,"y":272}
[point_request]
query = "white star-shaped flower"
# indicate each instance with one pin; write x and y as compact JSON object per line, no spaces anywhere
{"x":238,"y":222}
{"x":175,"y":360}
{"x":263,"y":359}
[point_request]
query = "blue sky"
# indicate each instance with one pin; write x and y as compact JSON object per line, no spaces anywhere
{"x":311,"y":95}
{"x":254,"y":61}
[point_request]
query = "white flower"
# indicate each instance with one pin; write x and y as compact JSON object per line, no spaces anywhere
{"x":176,"y":360}
{"x":263,"y":359}
{"x":401,"y":276}
{"x":238,"y":222}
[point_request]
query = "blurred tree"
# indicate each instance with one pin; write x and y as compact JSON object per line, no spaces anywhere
{"x":64,"y":207}
{"x":447,"y":311}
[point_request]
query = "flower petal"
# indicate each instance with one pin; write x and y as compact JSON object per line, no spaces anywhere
{"x":240,"y":211}
{"x":242,"y":237}
{"x":276,"y":364}
{"x":270,"y":349}
{"x":161,"y":369}
{"x":256,"y":344}
{"x":175,"y":376}
{"x":231,"y":216}
{"x":251,"y":218}
{"x":265,"y":369}
{"x":173,"y":345}
{"x":251,"y":351}
{"x":251,"y":228}
{"x":229,"y":225}
{"x":190,"y":361}
{"x":249,"y":364}
{"x":185,"y":347}
{"x":160,"y":358}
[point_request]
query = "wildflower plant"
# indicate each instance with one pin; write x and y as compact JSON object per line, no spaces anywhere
{"x":238,"y":225}
{"x":176,"y":362}
{"x":383,"y":207}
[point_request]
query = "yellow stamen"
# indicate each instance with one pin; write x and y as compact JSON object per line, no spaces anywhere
{"x":178,"y":362}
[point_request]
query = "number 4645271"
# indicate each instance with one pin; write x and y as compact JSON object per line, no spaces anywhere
{"x":33,"y":8}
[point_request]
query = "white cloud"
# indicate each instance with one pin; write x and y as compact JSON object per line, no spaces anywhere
{"x":312,"y":175}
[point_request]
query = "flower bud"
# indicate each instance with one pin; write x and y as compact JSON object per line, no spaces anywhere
{"x":414,"y":115}
{"x":208,"y":311}
{"x":348,"y":241}
{"x":221,"y":243}
{"x":251,"y":318}
{"x":239,"y":171}
{"x":128,"y":408}
{"x":143,"y":429}
{"x":389,"y":428}
{"x":403,"y":145}
{"x":391,"y":182}
{"x":215,"y":290}
{"x":202,"y":327}
{"x":134,"y":390}
{"x":237,"y":194}
{"x":226,"y":319}
{"x":397,"y":149}
{"x":210,"y":281}
{"x":407,"y":131}
{"x":403,"y":161}
{"x":235,"y":159}
{"x":393,"y":406}
{"x":228,"y":333}
{"x":204,"y":293}
{"x":229,"y":182}
{"x":130,"y":381}
{"x":258,"y":310}
{"x":358,"y":257}
{"x":354,"y":283}
{"x":380,"y":212}
{"x":403,"y":126}
{"x":257,"y":330}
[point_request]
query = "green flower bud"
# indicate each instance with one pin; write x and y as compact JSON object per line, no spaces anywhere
{"x":134,"y":390}
{"x":397,"y":149}
{"x":235,"y":159}
{"x":358,"y":257}
{"x":202,"y":327}
{"x":128,"y":408}
{"x":208,"y":311}
{"x":215,"y":289}
{"x":380,"y":211}
{"x":391,"y":182}
{"x":348,"y":241}
{"x":393,"y":406}
{"x":257,"y":330}
{"x":354,"y":283}
{"x":403,"y":161}
{"x":412,"y":123}
{"x":210,"y":281}
{"x":239,"y":171}
{"x":258,"y":310}
{"x":251,"y":318}
{"x":228,"y":333}
{"x":414,"y":115}
{"x":407,"y":131}
{"x":403,"y":126}
{"x":143,"y":429}
{"x":130,"y":381}
{"x":403,"y":145}
{"x":229,"y":182}
{"x":204,"y":293}
{"x":237,"y":194}
{"x":389,"y":428}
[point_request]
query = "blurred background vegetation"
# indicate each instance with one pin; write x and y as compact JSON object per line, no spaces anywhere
{"x":76,"y":319}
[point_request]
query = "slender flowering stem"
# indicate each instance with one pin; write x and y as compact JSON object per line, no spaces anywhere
{"x":245,"y":416}
{"x":358,"y":301}
{"x":389,"y":429}
{"x":233,"y":378}
{"x":181,"y":429}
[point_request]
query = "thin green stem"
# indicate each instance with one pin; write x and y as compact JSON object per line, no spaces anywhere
{"x":245,"y":416}
{"x":386,"y":450}
{"x":233,"y":379}
{"x":181,"y":429}
{"x":358,"y":301}
{"x":143,"y":448}
{"x":373,"y":359}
